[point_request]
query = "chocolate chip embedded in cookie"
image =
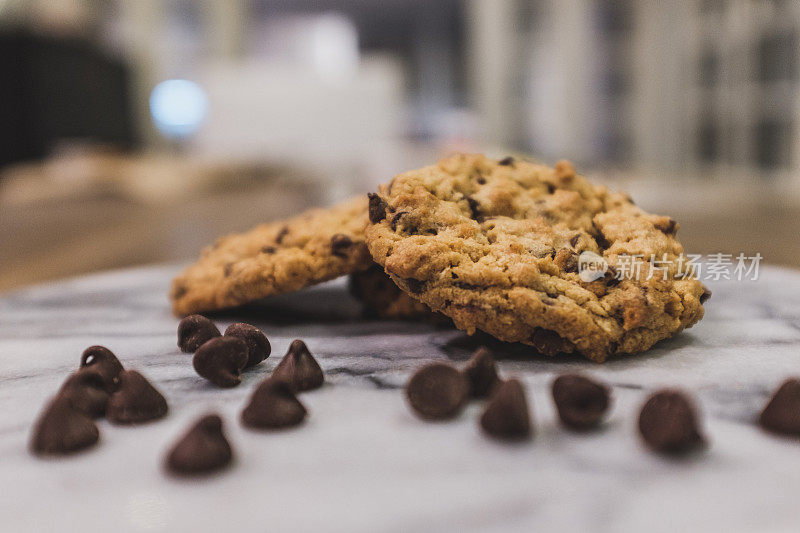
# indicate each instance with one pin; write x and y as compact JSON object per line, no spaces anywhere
{"x":497,"y":246}
{"x":316,"y":246}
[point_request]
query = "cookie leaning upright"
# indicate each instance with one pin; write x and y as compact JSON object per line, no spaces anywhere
{"x":275,"y":258}
{"x":495,"y":245}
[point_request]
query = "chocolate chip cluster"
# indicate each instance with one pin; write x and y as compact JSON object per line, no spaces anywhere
{"x":668,"y":422}
{"x":101,"y":387}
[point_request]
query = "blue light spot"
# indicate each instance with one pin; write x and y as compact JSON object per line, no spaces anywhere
{"x":178,"y":107}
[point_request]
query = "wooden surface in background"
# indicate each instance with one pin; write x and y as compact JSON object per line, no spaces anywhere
{"x":51,"y":240}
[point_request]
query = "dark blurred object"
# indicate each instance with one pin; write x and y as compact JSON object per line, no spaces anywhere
{"x":60,"y":90}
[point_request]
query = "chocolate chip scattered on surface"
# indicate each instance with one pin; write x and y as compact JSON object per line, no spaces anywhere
{"x":61,"y":430}
{"x":258,"y":346}
{"x":437,"y":392}
{"x":581,"y":402}
{"x":781,"y":415}
{"x":273,"y":405}
{"x":506,"y":415}
{"x":136,"y":401}
{"x":194,"y":331}
{"x":481,"y":372}
{"x":668,"y":423}
{"x":221,"y":360}
{"x":103,"y":360}
{"x":299,"y":369}
{"x":85,"y":390}
{"x":203,"y":449}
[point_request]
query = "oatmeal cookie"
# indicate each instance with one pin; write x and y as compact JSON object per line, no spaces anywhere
{"x":495,"y":245}
{"x":275,"y":258}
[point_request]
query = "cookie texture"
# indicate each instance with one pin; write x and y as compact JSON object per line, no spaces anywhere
{"x":384,"y":299}
{"x":274,"y":258}
{"x":495,"y":245}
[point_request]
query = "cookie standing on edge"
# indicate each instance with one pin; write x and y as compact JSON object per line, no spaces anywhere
{"x":495,"y":246}
{"x":316,"y":246}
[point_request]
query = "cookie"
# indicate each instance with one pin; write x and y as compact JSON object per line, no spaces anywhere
{"x":384,"y":299}
{"x":275,"y":258}
{"x":495,"y":245}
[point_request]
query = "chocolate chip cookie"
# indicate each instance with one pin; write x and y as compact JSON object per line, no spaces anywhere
{"x":275,"y":258}
{"x":496,"y":246}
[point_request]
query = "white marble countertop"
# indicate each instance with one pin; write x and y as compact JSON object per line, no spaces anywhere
{"x":362,"y":461}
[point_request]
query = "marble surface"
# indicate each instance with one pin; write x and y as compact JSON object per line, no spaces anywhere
{"x":362,"y":461}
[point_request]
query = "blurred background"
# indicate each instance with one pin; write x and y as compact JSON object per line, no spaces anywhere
{"x":136,"y":131}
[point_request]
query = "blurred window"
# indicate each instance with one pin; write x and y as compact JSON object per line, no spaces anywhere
{"x":709,"y":68}
{"x":712,"y":6}
{"x":777,"y":57}
{"x":708,"y":141}
{"x":773,"y":142}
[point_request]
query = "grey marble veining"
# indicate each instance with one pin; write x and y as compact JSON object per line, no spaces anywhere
{"x":363,"y":462}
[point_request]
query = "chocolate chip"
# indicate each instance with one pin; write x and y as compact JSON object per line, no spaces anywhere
{"x":105,"y":363}
{"x":268,"y":250}
{"x":273,"y":405}
{"x":668,"y":423}
{"x":86,"y":392}
{"x":396,"y":218}
{"x":281,"y":235}
{"x":437,"y":391}
{"x":179,"y":291}
{"x":258,"y":347}
{"x":61,"y":429}
{"x":475,"y":210}
{"x":201,"y":450}
{"x":194,"y":331}
{"x":377,"y":208}
{"x":506,"y":415}
{"x":566,"y":260}
{"x":340,"y":244}
{"x":548,"y":342}
{"x":574,"y":240}
{"x":414,"y":286}
{"x":782,"y":414}
{"x":670,"y":227}
{"x":481,"y":373}
{"x":221,"y":360}
{"x":580,"y":401}
{"x":601,"y":240}
{"x":136,"y":401}
{"x":507,"y":161}
{"x":299,"y":369}
{"x":705,"y":296}
{"x":481,"y":180}
{"x":611,"y":277}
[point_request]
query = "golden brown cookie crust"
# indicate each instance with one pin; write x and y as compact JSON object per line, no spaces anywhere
{"x":275,"y":258}
{"x":494,"y":245}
